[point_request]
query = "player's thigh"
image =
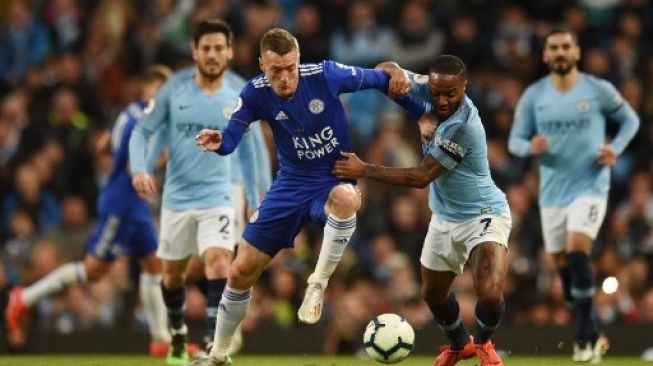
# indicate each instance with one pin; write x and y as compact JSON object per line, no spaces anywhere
{"x":585,"y":216}
{"x":142,"y":241}
{"x":102,"y":244}
{"x":178,"y":235}
{"x":278,"y":220}
{"x":438,"y":251}
{"x":483,"y":229}
{"x":215,"y":229}
{"x":554,"y":228}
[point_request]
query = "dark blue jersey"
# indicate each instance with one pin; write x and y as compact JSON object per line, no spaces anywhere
{"x":118,"y":196}
{"x":310,"y":128}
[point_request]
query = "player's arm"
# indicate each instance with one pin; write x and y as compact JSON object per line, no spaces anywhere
{"x":262,"y":159}
{"x":156,"y":154}
{"x":418,"y":177}
{"x":246,"y":155}
{"x":521,"y":141}
{"x":617,"y":109}
{"x":400,"y":83}
{"x":225,"y":142}
{"x":154,"y":117}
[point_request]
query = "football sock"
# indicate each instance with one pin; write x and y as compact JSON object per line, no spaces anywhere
{"x":203,"y":285}
{"x":487,"y":320}
{"x":155,"y":310}
{"x":233,"y":307}
{"x":447,"y":315}
{"x":337,"y":233}
{"x":59,"y":279}
{"x":214,"y":294}
{"x":175,"y":301}
{"x":582,"y":293}
{"x":565,"y":277}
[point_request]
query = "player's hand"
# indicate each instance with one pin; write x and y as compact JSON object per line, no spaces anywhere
{"x":209,"y":140}
{"x":399,"y":84}
{"x":606,"y":155}
{"x":539,"y":144}
{"x":144,"y":184}
{"x":350,"y":168}
{"x":427,"y":125}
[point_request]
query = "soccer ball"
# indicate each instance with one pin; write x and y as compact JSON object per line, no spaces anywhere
{"x":389,"y":338}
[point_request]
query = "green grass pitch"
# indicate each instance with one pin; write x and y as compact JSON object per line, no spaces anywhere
{"x":299,"y":360}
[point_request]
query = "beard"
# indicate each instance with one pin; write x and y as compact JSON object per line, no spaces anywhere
{"x":210,"y":75}
{"x":561,"y":68}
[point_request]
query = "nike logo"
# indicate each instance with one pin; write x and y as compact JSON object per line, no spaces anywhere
{"x":182,"y":107}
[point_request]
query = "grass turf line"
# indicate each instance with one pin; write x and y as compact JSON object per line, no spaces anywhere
{"x":298,"y":360}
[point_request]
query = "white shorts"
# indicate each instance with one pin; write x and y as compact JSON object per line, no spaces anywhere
{"x":192,"y":232}
{"x":448,"y":244}
{"x":240,"y":204}
{"x":584,"y":215}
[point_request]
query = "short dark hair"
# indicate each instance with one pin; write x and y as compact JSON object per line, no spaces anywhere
{"x":564,"y":30}
{"x":213,"y":26}
{"x":449,"y":65}
{"x":279,"y":41}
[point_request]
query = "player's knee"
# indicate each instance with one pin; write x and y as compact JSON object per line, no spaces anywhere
{"x":93,"y":274}
{"x":241,"y":276}
{"x":173,"y":280}
{"x":490,"y":298}
{"x":216,"y":263}
{"x":343,"y":201}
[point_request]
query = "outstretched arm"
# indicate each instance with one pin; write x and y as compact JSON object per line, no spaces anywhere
{"x":418,"y":177}
{"x":221,"y":142}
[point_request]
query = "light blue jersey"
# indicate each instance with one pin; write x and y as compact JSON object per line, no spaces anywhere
{"x":574,"y":123}
{"x":466,"y":190}
{"x":194,"y":180}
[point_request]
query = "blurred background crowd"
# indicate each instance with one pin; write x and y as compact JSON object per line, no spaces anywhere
{"x":67,"y":67}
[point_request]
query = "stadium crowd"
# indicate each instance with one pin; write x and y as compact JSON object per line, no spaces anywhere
{"x":67,"y":67}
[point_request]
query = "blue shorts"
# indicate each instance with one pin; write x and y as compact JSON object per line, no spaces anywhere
{"x":287,"y":206}
{"x":115,"y":235}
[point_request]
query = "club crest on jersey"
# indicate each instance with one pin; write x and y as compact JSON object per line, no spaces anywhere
{"x":583,"y":105}
{"x":316,"y":106}
{"x":227,"y":112}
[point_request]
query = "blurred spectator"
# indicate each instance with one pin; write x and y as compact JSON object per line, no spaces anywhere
{"x":71,"y":235}
{"x":29,"y":196}
{"x":364,"y":42}
{"x":417,"y":42}
{"x":311,"y":35}
{"x":64,"y":19}
{"x":24,"y":42}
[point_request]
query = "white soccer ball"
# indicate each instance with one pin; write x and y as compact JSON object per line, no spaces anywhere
{"x":389,"y":338}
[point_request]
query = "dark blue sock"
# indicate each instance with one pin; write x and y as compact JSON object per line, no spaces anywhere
{"x":487,"y":320}
{"x":203,"y":285}
{"x":565,"y":277}
{"x":447,"y":315}
{"x":582,"y":293}
{"x":213,"y":296}
{"x":175,"y":301}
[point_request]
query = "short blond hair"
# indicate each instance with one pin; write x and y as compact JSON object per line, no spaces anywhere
{"x":157,"y":72}
{"x":279,"y":41}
